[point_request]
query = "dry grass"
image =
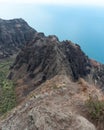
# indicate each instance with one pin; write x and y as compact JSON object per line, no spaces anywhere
{"x":94,"y":103}
{"x":84,"y":84}
{"x":95,"y":108}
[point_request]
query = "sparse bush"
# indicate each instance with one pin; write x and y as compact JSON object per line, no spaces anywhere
{"x":95,"y":109}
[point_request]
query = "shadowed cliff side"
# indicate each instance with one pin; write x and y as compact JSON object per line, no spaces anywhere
{"x":45,"y":57}
{"x":14,"y":34}
{"x":53,"y":81}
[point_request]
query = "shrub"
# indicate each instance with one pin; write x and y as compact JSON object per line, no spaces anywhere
{"x":7,"y":98}
{"x":7,"y":88}
{"x":96,"y":111}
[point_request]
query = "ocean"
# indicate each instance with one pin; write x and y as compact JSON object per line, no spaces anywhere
{"x":83,"y":25}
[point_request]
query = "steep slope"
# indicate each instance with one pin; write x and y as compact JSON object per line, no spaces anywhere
{"x":97,"y":74}
{"x":53,"y":81}
{"x":13,"y":35}
{"x":45,"y":57}
{"x":51,"y":57}
{"x":55,"y":105}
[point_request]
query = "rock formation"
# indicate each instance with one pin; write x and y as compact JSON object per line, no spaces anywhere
{"x":13,"y":35}
{"x":55,"y":105}
{"x":46,"y":57}
{"x":53,"y":80}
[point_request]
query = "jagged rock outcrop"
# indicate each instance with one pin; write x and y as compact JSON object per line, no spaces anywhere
{"x":44,"y":71}
{"x":97,"y":73}
{"x":14,"y":34}
{"x":45,"y":57}
{"x":49,"y":56}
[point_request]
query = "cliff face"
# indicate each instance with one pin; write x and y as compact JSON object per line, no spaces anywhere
{"x":53,"y":81}
{"x":13,"y":35}
{"x":46,"y":57}
{"x":53,"y":57}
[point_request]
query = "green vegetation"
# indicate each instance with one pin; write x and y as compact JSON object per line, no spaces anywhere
{"x":4,"y":68}
{"x":96,"y":110}
{"x":7,"y":90}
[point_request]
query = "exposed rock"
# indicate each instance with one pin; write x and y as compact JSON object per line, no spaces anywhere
{"x":53,"y":109}
{"x":45,"y":57}
{"x":43,"y":119}
{"x":97,"y":74}
{"x":44,"y":71}
{"x":14,"y":34}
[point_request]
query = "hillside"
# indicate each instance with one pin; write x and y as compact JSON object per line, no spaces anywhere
{"x":56,"y":87}
{"x":57,"y":104}
{"x":46,"y":57}
{"x":14,"y":34}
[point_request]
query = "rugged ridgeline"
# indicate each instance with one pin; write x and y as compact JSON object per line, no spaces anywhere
{"x":46,"y":57}
{"x":52,"y":81}
{"x":13,"y":35}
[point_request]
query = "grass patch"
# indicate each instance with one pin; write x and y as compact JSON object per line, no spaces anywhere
{"x":7,"y":97}
{"x":95,"y":109}
{"x":4,"y":69}
{"x":7,"y":88}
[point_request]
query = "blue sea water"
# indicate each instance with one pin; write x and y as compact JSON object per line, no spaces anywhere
{"x":81,"y":25}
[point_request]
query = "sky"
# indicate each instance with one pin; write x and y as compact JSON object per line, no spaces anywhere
{"x":58,"y":2}
{"x":81,"y":21}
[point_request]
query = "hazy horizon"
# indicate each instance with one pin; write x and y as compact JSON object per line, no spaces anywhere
{"x":81,"y":24}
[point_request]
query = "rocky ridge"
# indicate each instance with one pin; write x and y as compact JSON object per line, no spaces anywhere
{"x":53,"y":80}
{"x":54,"y":105}
{"x":46,"y":57}
{"x":14,"y":34}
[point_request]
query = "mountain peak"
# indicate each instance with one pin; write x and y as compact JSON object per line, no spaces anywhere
{"x":53,"y":81}
{"x":14,"y":34}
{"x":45,"y":57}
